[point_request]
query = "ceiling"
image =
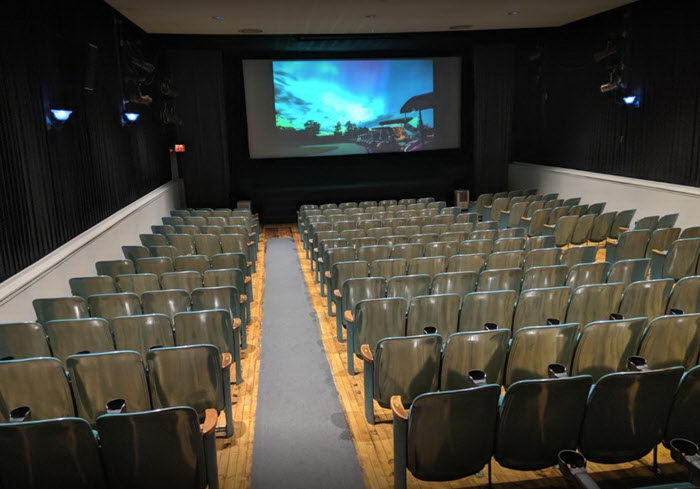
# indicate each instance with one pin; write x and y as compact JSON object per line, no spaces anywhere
{"x":352,"y":16}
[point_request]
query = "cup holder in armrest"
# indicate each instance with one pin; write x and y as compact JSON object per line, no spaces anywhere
{"x":116,"y":406}
{"x":476,"y":377}
{"x":556,"y":371}
{"x":20,"y":414}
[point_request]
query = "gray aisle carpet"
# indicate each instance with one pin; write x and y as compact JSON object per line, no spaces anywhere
{"x":302,"y":440}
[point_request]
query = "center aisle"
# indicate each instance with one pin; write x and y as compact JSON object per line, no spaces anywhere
{"x":301,"y":437}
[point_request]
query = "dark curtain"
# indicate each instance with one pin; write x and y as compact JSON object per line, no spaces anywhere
{"x":57,"y":182}
{"x":202,"y":106}
{"x":493,"y":115}
{"x":563,"y":119}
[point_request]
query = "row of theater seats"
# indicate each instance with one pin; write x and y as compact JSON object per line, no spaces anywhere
{"x":126,"y":343}
{"x":419,"y":334}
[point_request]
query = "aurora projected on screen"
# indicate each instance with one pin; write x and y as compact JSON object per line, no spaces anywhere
{"x":340,"y":107}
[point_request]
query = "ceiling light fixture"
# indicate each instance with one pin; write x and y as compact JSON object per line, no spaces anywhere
{"x":460,"y":27}
{"x":250,"y":30}
{"x":217,"y":18}
{"x":514,"y":12}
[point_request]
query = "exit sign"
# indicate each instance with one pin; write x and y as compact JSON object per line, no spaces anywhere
{"x":179,"y":148}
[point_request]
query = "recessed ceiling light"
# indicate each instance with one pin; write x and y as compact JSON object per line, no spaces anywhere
{"x":514,"y":12}
{"x":460,"y":27}
{"x":217,"y":18}
{"x":250,"y":30}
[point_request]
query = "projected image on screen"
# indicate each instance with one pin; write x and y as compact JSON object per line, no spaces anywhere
{"x":341,"y":107}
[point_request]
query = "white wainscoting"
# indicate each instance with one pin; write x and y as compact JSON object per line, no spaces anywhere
{"x":647,"y":196}
{"x":49,"y":276}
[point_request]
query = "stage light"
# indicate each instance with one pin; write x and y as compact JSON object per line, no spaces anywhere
{"x":631,"y":100}
{"x":132,"y":116}
{"x":61,"y":115}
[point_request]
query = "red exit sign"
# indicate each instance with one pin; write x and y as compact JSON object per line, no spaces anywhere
{"x":179,"y":148}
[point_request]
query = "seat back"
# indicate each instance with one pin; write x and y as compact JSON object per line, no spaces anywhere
{"x":565,"y":229}
{"x":211,"y":327}
{"x":443,"y":443}
{"x":622,"y":220}
{"x":632,"y":244}
{"x":533,"y":349}
{"x":137,"y":283}
{"x":188,"y":280}
{"x":37,"y":383}
{"x":171,"y":439}
{"x":154,"y":239}
{"x":539,"y":307}
{"x":225,"y":297}
{"x":541,"y":257}
{"x":70,"y":336}
{"x":543,"y":277}
{"x":509,"y":244}
{"x":685,"y":296}
{"x":626,"y":414}
{"x":49,"y":309}
{"x":207,"y":244}
{"x":143,"y":332}
{"x":408,"y":286}
{"x":537,"y":242}
{"x":197,"y":263}
{"x":646,"y":298}
{"x":538,"y":419}
{"x":87,"y":286}
{"x":587,"y":274}
{"x":438,"y":310}
{"x":604,"y":347}
{"x":482,"y":308}
{"x":690,"y":232}
{"x":628,"y":271}
{"x":406,"y":366}
{"x":427,"y":265}
{"x":157,"y":265}
{"x":388,"y":268}
{"x":132,"y":252}
{"x":104,"y":377}
{"x":601,"y":226}
{"x":168,"y":302}
{"x":661,"y":239}
{"x":460,"y":283}
{"x":578,"y":254}
{"x":50,"y":453}
{"x":355,"y":290}
{"x":113,"y":268}
{"x":583,"y":228}
{"x":229,"y":260}
{"x":108,"y":306}
{"x":672,"y":340}
{"x":22,"y":340}
{"x":682,"y":421}
{"x":379,"y":318}
{"x":474,"y":350}
{"x":186,"y":376}
{"x":466,"y":263}
{"x":682,"y":258}
{"x":472,"y":246}
{"x":594,"y":303}
{"x":504,"y":259}
{"x":502,"y":279}
{"x":647,"y":222}
{"x":344,"y":270}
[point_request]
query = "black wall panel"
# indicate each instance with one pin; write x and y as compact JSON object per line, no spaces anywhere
{"x":562,"y":118}
{"x":56,"y":183}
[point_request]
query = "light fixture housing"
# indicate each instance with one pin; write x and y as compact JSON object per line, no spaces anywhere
{"x":132,"y":116}
{"x":631,"y":100}
{"x":61,"y":115}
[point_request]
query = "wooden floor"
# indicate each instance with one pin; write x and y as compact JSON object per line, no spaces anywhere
{"x":374,"y":443}
{"x":235,"y":455}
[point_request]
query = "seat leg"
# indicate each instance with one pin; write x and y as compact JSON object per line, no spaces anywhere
{"x":210,"y":460}
{"x":237,"y":356}
{"x":490,"y":484}
{"x":655,"y":464}
{"x":368,"y":375}
{"x":228,"y":408}
{"x":400,"y":449}
{"x":351,"y":349}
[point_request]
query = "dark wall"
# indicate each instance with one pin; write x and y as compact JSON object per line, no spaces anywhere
{"x":56,"y":183}
{"x":278,"y":186}
{"x":562,"y":118}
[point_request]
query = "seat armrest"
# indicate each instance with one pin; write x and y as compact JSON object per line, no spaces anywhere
{"x":526,"y":219}
{"x":573,"y":467}
{"x":366,"y":353}
{"x":550,"y":226}
{"x":397,"y":408}
{"x":505,"y":212}
{"x":348,"y":316}
{"x":623,"y":228}
{"x":226,"y":360}
{"x":327,"y":274}
{"x":659,"y":252}
{"x":337,"y":294}
{"x":236,"y":323}
{"x":209,"y":424}
{"x":247,"y":279}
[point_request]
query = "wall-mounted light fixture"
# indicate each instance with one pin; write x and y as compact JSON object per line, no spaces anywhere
{"x":631,"y":100}
{"x":61,"y":115}
{"x":130,"y":118}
